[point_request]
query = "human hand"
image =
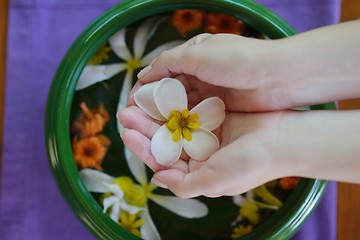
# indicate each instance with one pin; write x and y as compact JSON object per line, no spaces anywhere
{"x":234,"y":68}
{"x":246,"y":158}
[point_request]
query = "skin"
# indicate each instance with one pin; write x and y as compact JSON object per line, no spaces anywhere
{"x":259,"y":81}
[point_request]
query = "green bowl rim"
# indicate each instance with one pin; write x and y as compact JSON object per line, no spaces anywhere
{"x":62,"y":91}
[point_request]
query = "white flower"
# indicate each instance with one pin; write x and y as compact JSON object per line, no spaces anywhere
{"x":132,"y":61}
{"x":96,"y":181}
{"x":99,"y":182}
{"x":166,"y":101}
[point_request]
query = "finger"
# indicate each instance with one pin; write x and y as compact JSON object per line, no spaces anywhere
{"x":134,"y":118}
{"x":178,"y":60}
{"x":188,"y":185}
{"x":140,"y":146}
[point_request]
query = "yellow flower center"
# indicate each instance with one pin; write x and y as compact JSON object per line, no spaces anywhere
{"x":181,"y":123}
{"x":134,"y":194}
{"x":133,"y":64}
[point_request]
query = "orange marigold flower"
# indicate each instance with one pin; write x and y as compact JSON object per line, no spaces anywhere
{"x":221,"y":23}
{"x":90,"y":122}
{"x":187,"y":20}
{"x":90,"y":152}
{"x":288,"y":183}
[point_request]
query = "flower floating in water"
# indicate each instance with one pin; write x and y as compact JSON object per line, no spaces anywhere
{"x":221,"y":23}
{"x":89,"y":152}
{"x":90,"y":147}
{"x":90,"y":121}
{"x":101,"y":55}
{"x":250,"y":209}
{"x":132,"y":60}
{"x":187,"y":20}
{"x":288,"y":183}
{"x":240,"y":231}
{"x":166,"y":101}
{"x":123,"y":195}
{"x":130,"y":222}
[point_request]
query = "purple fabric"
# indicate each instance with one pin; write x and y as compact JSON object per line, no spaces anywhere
{"x":40,"y":32}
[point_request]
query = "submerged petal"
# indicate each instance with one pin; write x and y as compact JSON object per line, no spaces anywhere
{"x":118,"y":45}
{"x":202,"y":145}
{"x":165,"y":151}
{"x":115,"y":189}
{"x":211,"y":113}
{"x":144,"y":33}
{"x":188,"y":208}
{"x":156,"y":52}
{"x":124,"y":94}
{"x":137,"y":167}
{"x":94,"y":180}
{"x":144,"y":98}
{"x":94,"y":74}
{"x":170,"y":95}
{"x":148,"y":229}
{"x":108,"y":202}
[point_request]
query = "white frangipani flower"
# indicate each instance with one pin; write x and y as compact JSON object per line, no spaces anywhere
{"x":96,"y":73}
{"x":166,"y":101}
{"x":99,"y":182}
{"x":134,"y":197}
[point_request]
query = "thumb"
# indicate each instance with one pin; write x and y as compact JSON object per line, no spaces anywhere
{"x":176,"y":61}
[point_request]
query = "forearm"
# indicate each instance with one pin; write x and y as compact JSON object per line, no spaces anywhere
{"x":317,"y":66}
{"x":321,"y":144}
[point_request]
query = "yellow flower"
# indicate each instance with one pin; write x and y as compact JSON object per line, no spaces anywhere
{"x":240,"y":231}
{"x":250,"y":211}
{"x":101,"y":55}
{"x":130,"y":222}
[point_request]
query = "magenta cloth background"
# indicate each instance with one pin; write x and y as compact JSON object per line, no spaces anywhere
{"x":39,"y":34}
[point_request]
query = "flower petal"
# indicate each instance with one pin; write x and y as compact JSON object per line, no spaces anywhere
{"x":94,"y":74}
{"x":144,"y":33}
{"x":124,"y":94}
{"x":146,"y":60}
{"x":137,"y":167}
{"x":165,"y":151}
{"x":94,"y":180}
{"x":202,"y":145}
{"x":211,"y":113}
{"x":115,"y":190}
{"x":118,"y":45}
{"x":170,"y":95}
{"x":144,"y":98}
{"x":131,"y":209}
{"x":108,"y":202}
{"x":148,"y":229}
{"x":188,"y":208}
{"x":115,"y":212}
{"x":239,"y":200}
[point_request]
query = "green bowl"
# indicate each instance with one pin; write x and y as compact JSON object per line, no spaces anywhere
{"x":280,"y":225}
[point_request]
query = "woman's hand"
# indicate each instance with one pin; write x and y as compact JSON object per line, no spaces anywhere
{"x":246,"y":158}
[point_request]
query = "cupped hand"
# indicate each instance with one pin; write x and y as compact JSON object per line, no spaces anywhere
{"x":246,"y":158}
{"x":235,"y":68}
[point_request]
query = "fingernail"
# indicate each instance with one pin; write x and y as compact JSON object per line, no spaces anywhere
{"x":144,"y":71}
{"x":121,"y":130}
{"x":159,"y":183}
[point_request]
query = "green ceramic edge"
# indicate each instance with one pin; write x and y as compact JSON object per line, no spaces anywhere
{"x":61,"y":94}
